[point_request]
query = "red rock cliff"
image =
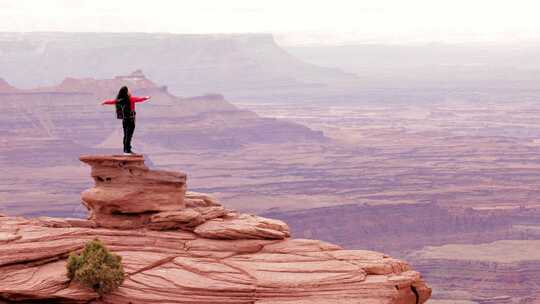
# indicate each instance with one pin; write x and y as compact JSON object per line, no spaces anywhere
{"x":183,"y":247}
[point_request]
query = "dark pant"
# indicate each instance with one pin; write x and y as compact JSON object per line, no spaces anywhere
{"x":129,"y":128}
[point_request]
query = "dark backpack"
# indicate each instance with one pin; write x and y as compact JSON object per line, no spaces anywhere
{"x":123,"y":108}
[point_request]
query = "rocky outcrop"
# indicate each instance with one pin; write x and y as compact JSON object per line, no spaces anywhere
{"x":128,"y":195}
{"x":126,"y":191}
{"x":243,"y":227}
{"x":181,"y":267}
{"x":202,"y":253}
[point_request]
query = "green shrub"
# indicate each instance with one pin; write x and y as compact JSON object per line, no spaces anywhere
{"x":96,"y":268}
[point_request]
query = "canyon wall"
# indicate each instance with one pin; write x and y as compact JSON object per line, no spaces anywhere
{"x":489,"y":273}
{"x":398,"y":228}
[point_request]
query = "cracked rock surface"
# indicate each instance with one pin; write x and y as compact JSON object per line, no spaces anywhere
{"x":192,"y":250}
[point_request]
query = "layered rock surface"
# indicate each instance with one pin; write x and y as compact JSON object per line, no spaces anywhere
{"x":203,"y":253}
{"x":126,"y":189}
{"x":128,"y":195}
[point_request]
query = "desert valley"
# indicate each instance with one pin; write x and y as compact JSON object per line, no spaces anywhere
{"x":450,"y":186}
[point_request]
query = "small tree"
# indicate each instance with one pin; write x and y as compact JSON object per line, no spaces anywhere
{"x":96,"y":268}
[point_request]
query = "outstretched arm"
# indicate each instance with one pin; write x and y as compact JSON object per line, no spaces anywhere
{"x":108,"y":102}
{"x":139,"y":99}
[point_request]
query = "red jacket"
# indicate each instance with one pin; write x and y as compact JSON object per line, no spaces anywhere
{"x":132,"y":99}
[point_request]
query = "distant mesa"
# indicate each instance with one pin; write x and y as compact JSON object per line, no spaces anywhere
{"x":179,"y":246}
{"x":137,"y":75}
{"x":105,"y":88}
{"x":136,"y":80}
{"x":209,"y":96}
{"x":235,"y":65}
{"x":100,"y":87}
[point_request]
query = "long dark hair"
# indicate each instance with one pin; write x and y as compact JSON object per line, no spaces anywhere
{"x":123,"y":94}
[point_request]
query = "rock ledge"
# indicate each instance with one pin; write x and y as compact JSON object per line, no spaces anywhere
{"x":202,"y":253}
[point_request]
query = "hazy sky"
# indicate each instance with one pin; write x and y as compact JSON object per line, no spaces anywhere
{"x":294,"y":21}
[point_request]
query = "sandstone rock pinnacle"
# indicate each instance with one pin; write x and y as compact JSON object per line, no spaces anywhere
{"x":129,"y":195}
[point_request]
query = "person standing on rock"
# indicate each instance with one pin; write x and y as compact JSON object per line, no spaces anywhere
{"x":125,"y":110}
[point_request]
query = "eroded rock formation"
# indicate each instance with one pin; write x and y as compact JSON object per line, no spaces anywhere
{"x":202,"y":253}
{"x":128,"y":195}
{"x":126,"y":187}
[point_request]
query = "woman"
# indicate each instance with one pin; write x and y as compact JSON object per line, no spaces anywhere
{"x":125,"y":110}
